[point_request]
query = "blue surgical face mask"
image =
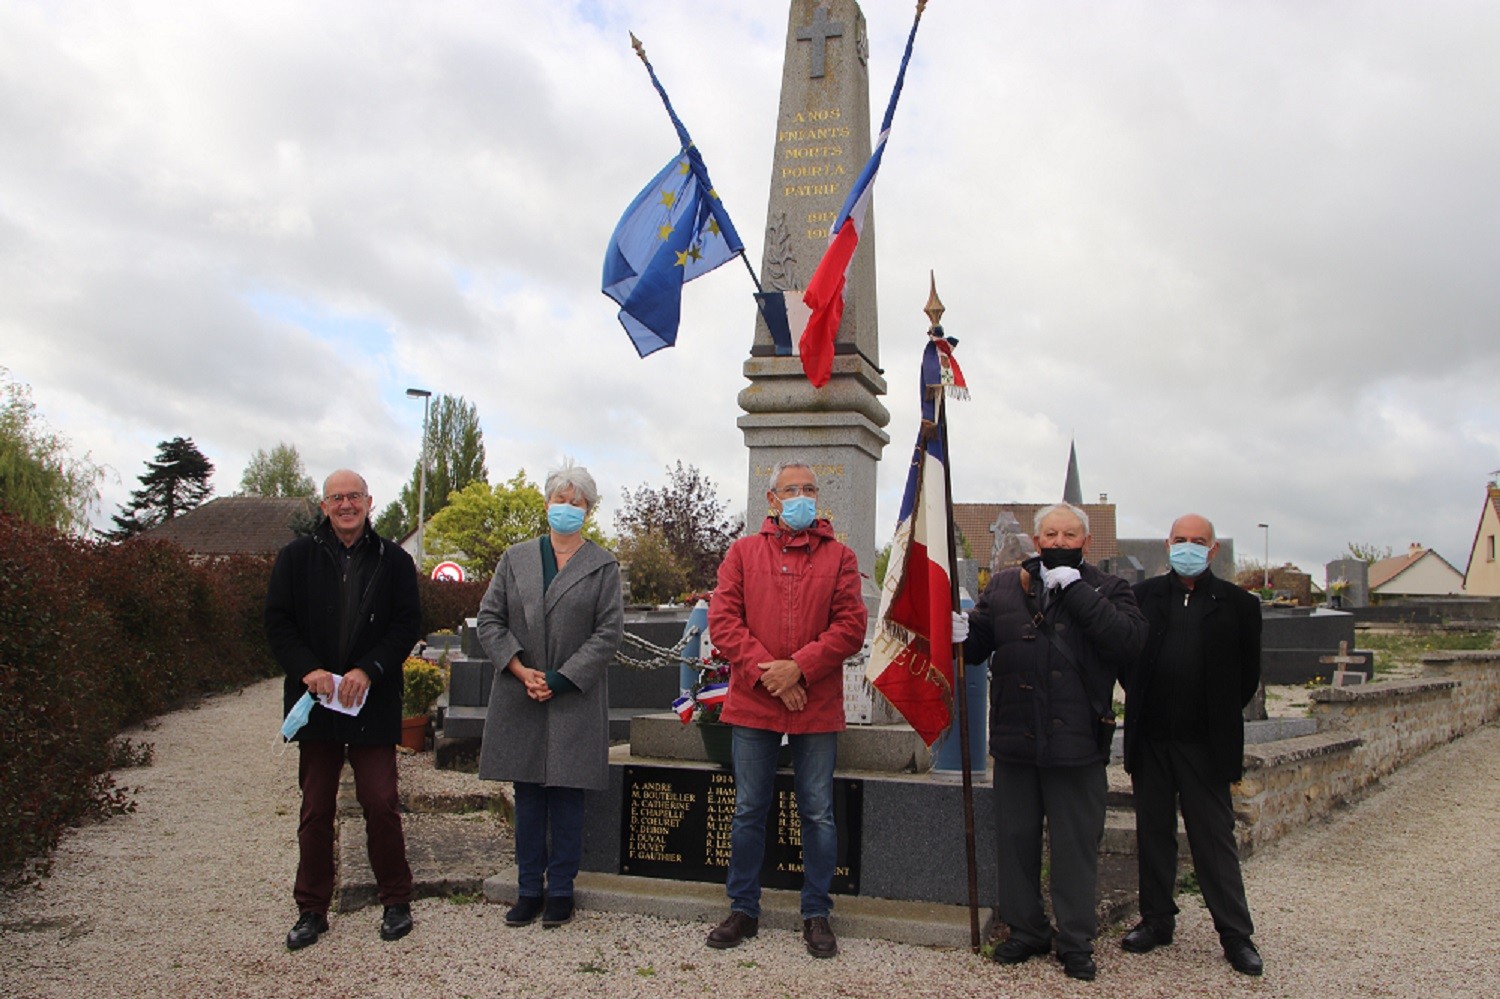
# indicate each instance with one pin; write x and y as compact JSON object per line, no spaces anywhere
{"x":1187,"y":558}
{"x":799,"y":512}
{"x":297,"y":717}
{"x":565,"y":518}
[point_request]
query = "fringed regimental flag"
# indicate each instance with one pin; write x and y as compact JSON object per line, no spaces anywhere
{"x":911,"y":660}
{"x":825,"y":291}
{"x":676,"y":229}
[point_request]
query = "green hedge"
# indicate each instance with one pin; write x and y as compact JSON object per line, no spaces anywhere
{"x":447,"y":604}
{"x":95,"y":638}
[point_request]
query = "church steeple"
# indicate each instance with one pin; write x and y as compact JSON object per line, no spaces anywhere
{"x":1072,"y":489}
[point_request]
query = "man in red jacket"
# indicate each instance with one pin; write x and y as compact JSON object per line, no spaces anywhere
{"x":786,"y":613}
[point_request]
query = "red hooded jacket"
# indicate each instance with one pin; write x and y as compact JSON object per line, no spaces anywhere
{"x":788,"y":595}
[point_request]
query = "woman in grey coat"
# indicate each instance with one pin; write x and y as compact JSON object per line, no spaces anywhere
{"x":551,"y":622}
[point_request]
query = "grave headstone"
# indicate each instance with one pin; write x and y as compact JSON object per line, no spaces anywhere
{"x":1342,"y":675}
{"x":1347,"y":583}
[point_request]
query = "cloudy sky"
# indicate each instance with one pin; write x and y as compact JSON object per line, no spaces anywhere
{"x":1244,"y":253}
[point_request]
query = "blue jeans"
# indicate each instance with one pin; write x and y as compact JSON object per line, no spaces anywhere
{"x":813,"y":758}
{"x":540,"y":810}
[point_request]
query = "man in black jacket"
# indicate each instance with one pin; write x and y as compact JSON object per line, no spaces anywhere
{"x":1058,"y":641}
{"x":342,"y":613}
{"x":1185,"y":739}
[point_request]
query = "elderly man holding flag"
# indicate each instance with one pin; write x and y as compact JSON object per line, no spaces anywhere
{"x":1060,"y":630}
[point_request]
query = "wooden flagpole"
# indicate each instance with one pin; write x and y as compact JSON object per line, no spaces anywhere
{"x":934,"y":312}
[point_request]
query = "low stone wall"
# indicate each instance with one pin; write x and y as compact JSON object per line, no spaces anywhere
{"x":1364,"y":733}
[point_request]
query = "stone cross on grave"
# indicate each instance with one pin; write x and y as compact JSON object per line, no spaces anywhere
{"x":818,"y":33}
{"x":1342,"y":675}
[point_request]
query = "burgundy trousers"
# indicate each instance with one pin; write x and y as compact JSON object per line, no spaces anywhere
{"x":318,"y":772}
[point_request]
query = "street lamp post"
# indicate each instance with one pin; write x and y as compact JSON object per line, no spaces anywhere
{"x":426,"y":397}
{"x":1266,"y":582}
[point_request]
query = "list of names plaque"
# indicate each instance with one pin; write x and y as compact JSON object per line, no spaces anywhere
{"x":676,"y":821}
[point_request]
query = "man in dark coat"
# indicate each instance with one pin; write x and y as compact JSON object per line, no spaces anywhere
{"x":1185,"y":739}
{"x":342,"y":614}
{"x":1060,"y":631}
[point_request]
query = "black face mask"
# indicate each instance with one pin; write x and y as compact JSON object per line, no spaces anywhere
{"x":1054,"y":558}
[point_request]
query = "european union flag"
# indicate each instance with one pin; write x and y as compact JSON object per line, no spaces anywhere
{"x":674,"y":230}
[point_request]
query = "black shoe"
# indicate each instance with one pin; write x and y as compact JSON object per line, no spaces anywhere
{"x":818,"y":936}
{"x":396,"y":923}
{"x":1077,"y":964}
{"x":1146,"y":937}
{"x":1241,"y":953}
{"x":1016,"y":950}
{"x":733,"y":930}
{"x":525,"y":911}
{"x":310,"y":926}
{"x":557,"y":911}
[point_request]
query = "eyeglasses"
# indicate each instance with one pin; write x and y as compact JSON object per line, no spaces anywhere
{"x":787,"y":492}
{"x":337,"y":498}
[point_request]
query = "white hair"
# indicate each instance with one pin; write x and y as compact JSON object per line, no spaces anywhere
{"x":569,"y":474}
{"x":1047,"y":511}
{"x":782,"y":466}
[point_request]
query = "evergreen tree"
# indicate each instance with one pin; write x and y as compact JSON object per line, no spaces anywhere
{"x":455,"y":457}
{"x":174,"y":483}
{"x":277,"y":473}
{"x":392,"y":522}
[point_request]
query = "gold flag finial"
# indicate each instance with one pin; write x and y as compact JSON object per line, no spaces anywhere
{"x":640,"y":49}
{"x":934,"y":307}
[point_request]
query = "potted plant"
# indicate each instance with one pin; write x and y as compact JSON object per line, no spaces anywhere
{"x":422,"y":683}
{"x":704,"y":702}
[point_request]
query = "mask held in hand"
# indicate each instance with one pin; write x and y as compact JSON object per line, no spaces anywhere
{"x":297,"y":717}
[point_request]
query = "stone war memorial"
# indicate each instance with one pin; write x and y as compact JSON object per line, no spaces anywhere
{"x":657,"y":840}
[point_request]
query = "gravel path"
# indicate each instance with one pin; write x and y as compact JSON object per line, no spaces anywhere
{"x":191,"y":896}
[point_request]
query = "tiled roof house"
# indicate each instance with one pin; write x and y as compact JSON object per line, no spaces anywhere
{"x":235,"y":525}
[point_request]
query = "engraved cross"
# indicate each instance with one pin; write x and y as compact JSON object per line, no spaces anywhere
{"x":818,"y":33}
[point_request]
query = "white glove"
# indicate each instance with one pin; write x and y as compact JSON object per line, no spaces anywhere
{"x":960,"y":627}
{"x":1060,"y":578}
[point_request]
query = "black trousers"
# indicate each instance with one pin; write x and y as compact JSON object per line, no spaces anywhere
{"x":1166,"y":773}
{"x":1071,"y":799}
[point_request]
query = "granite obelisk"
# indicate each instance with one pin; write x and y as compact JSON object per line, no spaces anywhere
{"x":822,"y":142}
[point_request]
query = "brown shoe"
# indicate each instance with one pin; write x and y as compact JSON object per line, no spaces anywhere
{"x":819,"y":937}
{"x":731,"y":931}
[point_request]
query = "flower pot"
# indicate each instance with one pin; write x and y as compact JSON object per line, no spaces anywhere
{"x":414,"y":733}
{"x":718,"y":742}
{"x":718,"y":745}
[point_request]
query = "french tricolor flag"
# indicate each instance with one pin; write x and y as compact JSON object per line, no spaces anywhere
{"x":712,"y":693}
{"x":685,"y":706}
{"x":911,"y":657}
{"x":825,"y":291}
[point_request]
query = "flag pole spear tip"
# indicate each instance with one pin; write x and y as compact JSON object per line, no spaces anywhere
{"x":921,"y":6}
{"x":640,"y":49}
{"x":934,"y":307}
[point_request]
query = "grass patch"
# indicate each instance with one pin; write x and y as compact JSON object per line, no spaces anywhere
{"x":1392,"y":650}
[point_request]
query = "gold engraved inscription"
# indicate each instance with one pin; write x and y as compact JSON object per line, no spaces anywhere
{"x":656,"y":812}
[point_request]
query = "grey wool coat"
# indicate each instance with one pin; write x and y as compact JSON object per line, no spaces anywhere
{"x":574,"y":628}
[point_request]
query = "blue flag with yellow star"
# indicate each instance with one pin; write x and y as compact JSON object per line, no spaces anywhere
{"x":674,"y":230}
